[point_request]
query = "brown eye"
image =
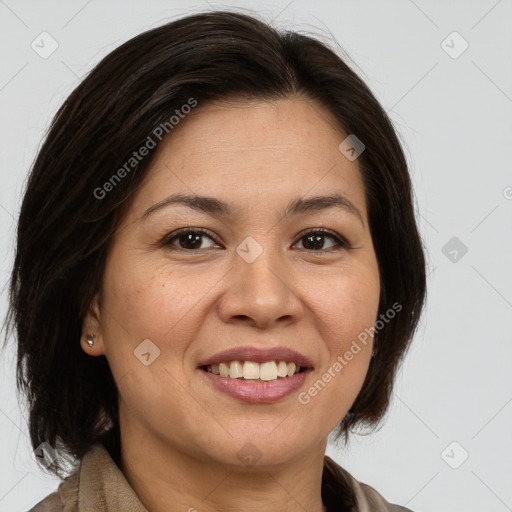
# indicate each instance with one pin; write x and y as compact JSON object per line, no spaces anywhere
{"x":190,"y":239}
{"x":316,"y":241}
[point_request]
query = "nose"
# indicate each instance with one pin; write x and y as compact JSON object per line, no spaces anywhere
{"x":260,"y":294}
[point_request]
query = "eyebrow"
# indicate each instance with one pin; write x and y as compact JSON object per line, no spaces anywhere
{"x":215,"y":207}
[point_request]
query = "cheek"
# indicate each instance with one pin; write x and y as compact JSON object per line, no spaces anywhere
{"x":346,"y":305}
{"x":346,"y":310}
{"x":147,"y":298}
{"x":155,"y":301}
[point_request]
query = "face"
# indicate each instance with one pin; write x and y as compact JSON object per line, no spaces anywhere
{"x":266,"y":264}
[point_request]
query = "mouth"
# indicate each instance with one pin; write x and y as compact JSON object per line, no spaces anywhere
{"x":251,"y":371}
{"x":255,"y":375}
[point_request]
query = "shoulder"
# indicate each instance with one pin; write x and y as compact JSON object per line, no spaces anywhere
{"x":374,"y":501}
{"x":64,"y":499}
{"x":364,"y":498}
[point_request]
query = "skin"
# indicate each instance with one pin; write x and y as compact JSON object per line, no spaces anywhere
{"x":180,"y":436}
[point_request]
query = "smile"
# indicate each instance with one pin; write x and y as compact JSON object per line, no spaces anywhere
{"x":250,"y":370}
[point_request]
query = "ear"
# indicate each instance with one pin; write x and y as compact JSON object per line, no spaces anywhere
{"x":91,"y":326}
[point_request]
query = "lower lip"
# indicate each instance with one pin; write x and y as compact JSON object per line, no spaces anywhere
{"x":258,"y":392}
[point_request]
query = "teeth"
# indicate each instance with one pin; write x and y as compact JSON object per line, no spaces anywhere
{"x":249,"y":370}
{"x":224,"y":370}
{"x":268,"y":371}
{"x":282,"y":369}
{"x":236,"y":369}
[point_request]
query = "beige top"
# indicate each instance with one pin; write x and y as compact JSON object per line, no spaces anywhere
{"x":98,"y":485}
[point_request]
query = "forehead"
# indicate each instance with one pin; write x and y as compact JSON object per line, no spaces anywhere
{"x":240,"y":150}
{"x":296,"y":124}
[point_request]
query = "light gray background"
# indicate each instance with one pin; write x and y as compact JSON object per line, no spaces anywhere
{"x":455,"y":117}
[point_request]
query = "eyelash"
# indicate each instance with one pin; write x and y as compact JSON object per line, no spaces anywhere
{"x":340,"y":242}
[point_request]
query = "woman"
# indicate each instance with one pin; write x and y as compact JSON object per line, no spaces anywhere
{"x":217,"y":265}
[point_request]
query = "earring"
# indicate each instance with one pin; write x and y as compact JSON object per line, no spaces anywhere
{"x":89,"y":339}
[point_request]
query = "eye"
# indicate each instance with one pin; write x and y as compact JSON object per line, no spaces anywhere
{"x":190,"y":239}
{"x":315,"y":240}
{"x":193,"y":239}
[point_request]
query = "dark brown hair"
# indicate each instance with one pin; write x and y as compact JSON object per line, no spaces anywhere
{"x":65,"y":230}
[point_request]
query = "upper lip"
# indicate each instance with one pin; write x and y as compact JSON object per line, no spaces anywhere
{"x":258,"y":355}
